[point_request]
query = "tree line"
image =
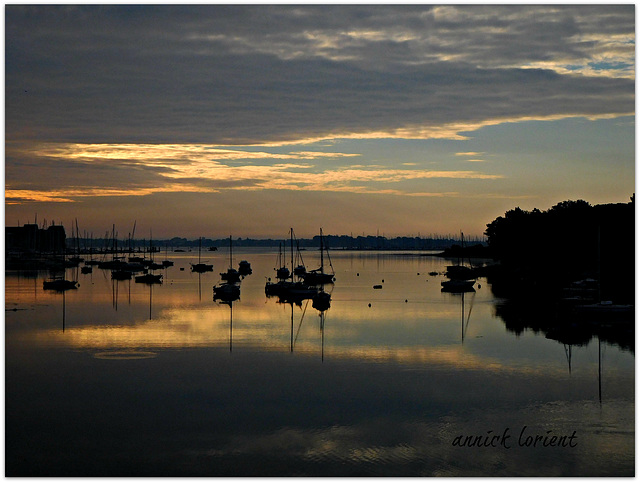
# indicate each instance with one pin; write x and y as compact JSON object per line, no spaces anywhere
{"x":570,"y":241}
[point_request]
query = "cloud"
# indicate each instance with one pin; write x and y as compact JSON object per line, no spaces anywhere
{"x":141,"y":170}
{"x":240,"y":75}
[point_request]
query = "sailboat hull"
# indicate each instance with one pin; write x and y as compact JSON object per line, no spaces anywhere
{"x":314,"y":278}
{"x":59,"y":285}
{"x":458,"y":286}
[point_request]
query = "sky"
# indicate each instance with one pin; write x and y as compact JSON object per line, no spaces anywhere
{"x":412,"y":120}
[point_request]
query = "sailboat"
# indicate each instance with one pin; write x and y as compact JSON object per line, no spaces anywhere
{"x":116,"y":263}
{"x":244,"y":268}
{"x":321,"y":300}
{"x":461,"y":277}
{"x":201,"y":267}
{"x":166,"y":262}
{"x":318,"y":276}
{"x":231,"y":275}
{"x":604,"y":310}
{"x":152,"y":265}
{"x":59,"y":284}
{"x":289,"y":290}
{"x":149,"y":278}
{"x":457,"y":286}
{"x":282,"y":272}
{"x":226,"y":292}
{"x":300,"y":268}
{"x":121,"y":274}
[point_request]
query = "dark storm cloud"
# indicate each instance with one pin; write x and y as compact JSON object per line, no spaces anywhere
{"x":254,"y":74}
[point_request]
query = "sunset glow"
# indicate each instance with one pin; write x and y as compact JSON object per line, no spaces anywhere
{"x":458,"y":112}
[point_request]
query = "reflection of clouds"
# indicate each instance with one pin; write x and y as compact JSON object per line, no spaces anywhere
{"x":179,"y":328}
{"x":339,"y":444}
{"x":423,"y":445}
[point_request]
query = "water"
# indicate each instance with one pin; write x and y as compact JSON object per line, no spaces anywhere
{"x":123,"y":379}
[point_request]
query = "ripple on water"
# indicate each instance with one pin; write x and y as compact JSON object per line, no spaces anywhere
{"x":124,"y":355}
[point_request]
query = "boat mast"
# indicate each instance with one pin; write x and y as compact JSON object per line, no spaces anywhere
{"x":133,"y":235}
{"x":321,"y":253}
{"x":77,"y":239}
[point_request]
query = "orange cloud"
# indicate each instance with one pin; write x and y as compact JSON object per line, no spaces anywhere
{"x":204,"y":168}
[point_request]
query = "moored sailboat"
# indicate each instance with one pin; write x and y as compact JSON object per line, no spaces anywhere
{"x":226,"y":292}
{"x":201,"y":267}
{"x":244,"y":268}
{"x":282,"y":272}
{"x":231,"y":275}
{"x":286,"y":288}
{"x":59,"y":284}
{"x":461,"y":277}
{"x":318,"y":276}
{"x":149,"y":278}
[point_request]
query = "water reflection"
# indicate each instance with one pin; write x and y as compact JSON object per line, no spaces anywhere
{"x":323,"y":318}
{"x":230,"y":304}
{"x":555,"y":324}
{"x":417,"y":331}
{"x":401,"y":372}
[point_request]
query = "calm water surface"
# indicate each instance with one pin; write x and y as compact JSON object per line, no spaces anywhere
{"x":119,"y":378}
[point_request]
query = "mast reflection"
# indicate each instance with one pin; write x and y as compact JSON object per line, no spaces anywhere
{"x":226,"y":294}
{"x":322,"y":303}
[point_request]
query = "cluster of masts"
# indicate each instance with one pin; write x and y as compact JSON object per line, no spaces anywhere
{"x":139,"y":267}
{"x":293,"y":284}
{"x":297,"y":284}
{"x":229,"y":289}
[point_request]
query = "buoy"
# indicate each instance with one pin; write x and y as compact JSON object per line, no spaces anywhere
{"x":405,"y":301}
{"x":369,"y":305}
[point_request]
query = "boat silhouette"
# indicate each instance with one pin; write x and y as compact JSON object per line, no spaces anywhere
{"x":231,"y":275}
{"x":149,"y":278}
{"x":244,"y":268}
{"x":201,"y":267}
{"x":318,"y":276}
{"x":461,"y":277}
{"x":227,"y":292}
{"x":59,"y":284}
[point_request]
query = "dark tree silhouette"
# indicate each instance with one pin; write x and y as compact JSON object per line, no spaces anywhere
{"x":545,"y":250}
